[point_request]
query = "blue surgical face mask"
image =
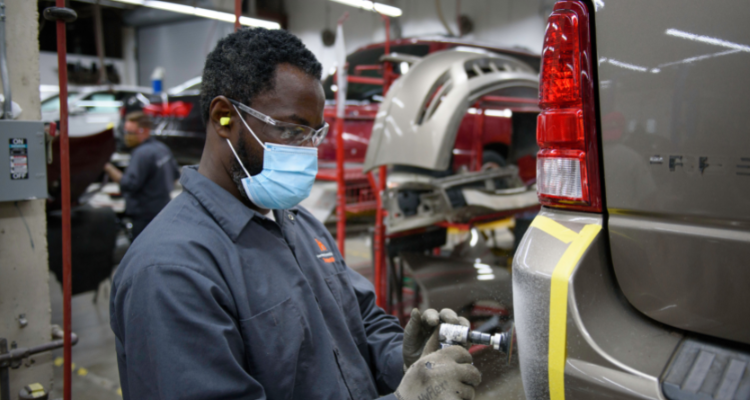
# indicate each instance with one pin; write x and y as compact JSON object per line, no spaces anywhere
{"x":287,"y":177}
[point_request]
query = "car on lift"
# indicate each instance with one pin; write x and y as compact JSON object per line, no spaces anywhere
{"x":180,"y":126}
{"x":418,"y":127}
{"x":364,"y":98}
{"x":632,"y":282}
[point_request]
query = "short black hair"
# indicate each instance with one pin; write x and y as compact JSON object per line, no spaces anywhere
{"x":143,"y":120}
{"x":243,"y":64}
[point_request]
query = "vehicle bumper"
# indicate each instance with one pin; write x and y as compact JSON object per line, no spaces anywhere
{"x":578,"y":337}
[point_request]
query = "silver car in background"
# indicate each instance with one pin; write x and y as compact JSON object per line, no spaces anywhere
{"x":92,"y":109}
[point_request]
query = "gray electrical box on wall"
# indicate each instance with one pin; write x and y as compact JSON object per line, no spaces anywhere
{"x":23,"y":176}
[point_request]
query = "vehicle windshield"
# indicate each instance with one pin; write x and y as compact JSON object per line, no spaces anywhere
{"x":365,"y":59}
{"x":101,"y":102}
{"x":53,"y":103}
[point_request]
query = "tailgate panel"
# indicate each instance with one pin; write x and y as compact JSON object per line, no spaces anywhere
{"x":673,"y":88}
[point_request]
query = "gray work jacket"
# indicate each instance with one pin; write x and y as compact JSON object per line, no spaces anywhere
{"x":215,"y":301}
{"x":148,"y":179}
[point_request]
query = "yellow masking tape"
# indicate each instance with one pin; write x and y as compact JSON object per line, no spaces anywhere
{"x":35,"y":387}
{"x":503,"y":223}
{"x":554,"y":228}
{"x":558,"y":307}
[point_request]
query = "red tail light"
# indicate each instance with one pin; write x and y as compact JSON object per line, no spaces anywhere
{"x":179,"y":109}
{"x":568,"y":162}
{"x":152,"y":109}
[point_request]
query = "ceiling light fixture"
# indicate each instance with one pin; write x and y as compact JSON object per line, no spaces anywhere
{"x":201,"y":12}
{"x":368,"y":5}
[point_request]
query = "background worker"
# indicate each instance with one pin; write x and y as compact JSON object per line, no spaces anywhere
{"x":150,"y":176}
{"x":235,"y":292}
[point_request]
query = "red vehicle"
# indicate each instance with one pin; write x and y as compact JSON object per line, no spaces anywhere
{"x":497,"y":134}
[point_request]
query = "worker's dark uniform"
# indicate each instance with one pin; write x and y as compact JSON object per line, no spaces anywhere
{"x":216,"y":301}
{"x":147,"y":182}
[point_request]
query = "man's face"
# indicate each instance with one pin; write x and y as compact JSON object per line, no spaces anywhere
{"x":134,"y":134}
{"x":297,"y":98}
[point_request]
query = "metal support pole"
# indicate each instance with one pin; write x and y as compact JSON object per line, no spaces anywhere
{"x":381,"y":271}
{"x":237,"y":13}
{"x":380,"y":257}
{"x":379,"y":244}
{"x":478,"y":133}
{"x":342,"y":80}
{"x":62,"y":66}
{"x":340,"y":186}
{"x":99,"y":36}
{"x":63,"y":15}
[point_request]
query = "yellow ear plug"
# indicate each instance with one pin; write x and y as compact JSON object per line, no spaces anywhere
{"x":224,"y":120}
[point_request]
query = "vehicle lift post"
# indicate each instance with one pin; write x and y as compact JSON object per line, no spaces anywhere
{"x":478,"y":131}
{"x":62,"y":15}
{"x":340,"y":172}
{"x":379,"y":242}
{"x":378,"y":185}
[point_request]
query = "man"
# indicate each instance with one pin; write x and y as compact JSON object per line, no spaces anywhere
{"x":151,"y":175}
{"x":224,"y":299}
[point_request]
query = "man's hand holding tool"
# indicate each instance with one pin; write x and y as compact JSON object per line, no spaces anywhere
{"x":431,"y":373}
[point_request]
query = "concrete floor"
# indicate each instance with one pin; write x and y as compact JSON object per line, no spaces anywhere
{"x":95,"y":362}
{"x":95,"y":374}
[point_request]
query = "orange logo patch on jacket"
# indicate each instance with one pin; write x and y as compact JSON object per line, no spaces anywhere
{"x":327,"y":257}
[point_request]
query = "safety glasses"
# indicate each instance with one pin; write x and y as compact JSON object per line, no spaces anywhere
{"x":285,"y":132}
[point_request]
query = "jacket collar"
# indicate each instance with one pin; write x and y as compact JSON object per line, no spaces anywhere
{"x":225,"y":209}
{"x":231,"y":214}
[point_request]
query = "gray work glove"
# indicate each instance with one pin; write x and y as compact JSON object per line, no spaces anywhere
{"x":443,"y":375}
{"x":421,"y":335}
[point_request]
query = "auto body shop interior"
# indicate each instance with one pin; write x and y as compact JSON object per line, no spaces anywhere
{"x":356,"y":199}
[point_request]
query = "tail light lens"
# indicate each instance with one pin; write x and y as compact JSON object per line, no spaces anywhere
{"x":568,"y":162}
{"x":179,"y":109}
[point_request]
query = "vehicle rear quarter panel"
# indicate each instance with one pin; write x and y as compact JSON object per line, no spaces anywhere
{"x":612,"y":350}
{"x":673,"y":88}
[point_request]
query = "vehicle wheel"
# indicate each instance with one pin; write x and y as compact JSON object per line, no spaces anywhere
{"x":492,"y":159}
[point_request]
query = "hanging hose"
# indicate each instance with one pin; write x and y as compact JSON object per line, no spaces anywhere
{"x":63,"y":15}
{"x":442,"y":18}
{"x":7,"y":103}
